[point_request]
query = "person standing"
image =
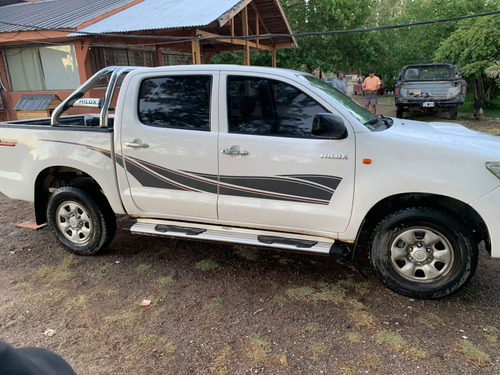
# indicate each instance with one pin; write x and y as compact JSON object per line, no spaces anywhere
{"x":371,"y":84}
{"x":340,"y":83}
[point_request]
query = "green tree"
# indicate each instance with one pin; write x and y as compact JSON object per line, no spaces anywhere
{"x":474,"y":47}
{"x":420,"y":43}
{"x":329,"y":52}
{"x":493,"y":71}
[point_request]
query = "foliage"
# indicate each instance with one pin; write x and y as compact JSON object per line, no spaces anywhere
{"x":493,"y":71}
{"x":388,"y":50}
{"x":346,"y":52}
{"x":474,"y":48}
{"x":419,"y":43}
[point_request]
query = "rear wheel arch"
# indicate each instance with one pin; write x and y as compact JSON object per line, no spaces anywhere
{"x":52,"y":178}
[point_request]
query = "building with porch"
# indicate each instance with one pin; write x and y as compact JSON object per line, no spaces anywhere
{"x":53,"y":46}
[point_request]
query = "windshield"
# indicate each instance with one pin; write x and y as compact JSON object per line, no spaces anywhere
{"x":374,"y":123}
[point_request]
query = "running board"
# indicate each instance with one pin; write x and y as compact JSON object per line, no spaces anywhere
{"x":252,"y":237}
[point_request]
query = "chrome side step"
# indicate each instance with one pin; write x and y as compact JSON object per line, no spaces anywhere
{"x":253,"y":237}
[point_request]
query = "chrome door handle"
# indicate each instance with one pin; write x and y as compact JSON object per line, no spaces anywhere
{"x":136,"y":145}
{"x":230,"y":151}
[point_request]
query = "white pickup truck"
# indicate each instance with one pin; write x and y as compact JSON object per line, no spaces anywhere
{"x":264,"y":157}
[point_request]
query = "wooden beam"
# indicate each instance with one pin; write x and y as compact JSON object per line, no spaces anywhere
{"x":257,"y":29}
{"x":195,"y":50}
{"x":240,"y":42}
{"x":82,"y":48}
{"x":246,"y":51}
{"x":232,"y":12}
{"x":273,"y":58}
{"x":29,"y":36}
{"x":159,"y":56}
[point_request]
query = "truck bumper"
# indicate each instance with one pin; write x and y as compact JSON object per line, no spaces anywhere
{"x":488,"y":207}
{"x":436,"y":103}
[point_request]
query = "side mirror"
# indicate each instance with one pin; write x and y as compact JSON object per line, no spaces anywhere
{"x":327,"y":125}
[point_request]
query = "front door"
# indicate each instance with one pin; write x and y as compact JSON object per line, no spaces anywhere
{"x":273,"y":172}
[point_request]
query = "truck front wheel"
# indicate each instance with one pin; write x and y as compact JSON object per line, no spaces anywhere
{"x":423,"y":253}
{"x":82,"y":223}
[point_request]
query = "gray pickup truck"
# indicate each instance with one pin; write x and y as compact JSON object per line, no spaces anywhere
{"x":430,"y":87}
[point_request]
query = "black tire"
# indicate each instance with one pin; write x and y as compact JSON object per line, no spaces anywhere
{"x":81,"y":221}
{"x":423,"y":253}
{"x":453,"y":113}
{"x":399,"y":111}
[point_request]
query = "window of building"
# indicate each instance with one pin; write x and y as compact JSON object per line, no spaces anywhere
{"x":181,"y":102}
{"x":268,"y":107}
{"x":170,"y":57}
{"x":42,"y":68}
{"x":101,"y":57}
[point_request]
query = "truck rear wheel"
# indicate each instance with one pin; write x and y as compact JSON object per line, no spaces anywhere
{"x":82,"y":223}
{"x":423,"y":253}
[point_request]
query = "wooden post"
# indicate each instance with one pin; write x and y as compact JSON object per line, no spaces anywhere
{"x":195,"y":49}
{"x":159,"y":57}
{"x":81,"y":52}
{"x":257,"y":28}
{"x":246,"y":51}
{"x":273,"y":58}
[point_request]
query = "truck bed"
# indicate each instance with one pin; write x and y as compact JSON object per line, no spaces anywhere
{"x":85,"y":120}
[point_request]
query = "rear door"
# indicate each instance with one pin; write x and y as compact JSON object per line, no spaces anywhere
{"x":169,"y":145}
{"x":273,"y":172}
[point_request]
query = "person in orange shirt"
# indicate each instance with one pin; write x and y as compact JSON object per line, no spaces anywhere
{"x":371,"y":84}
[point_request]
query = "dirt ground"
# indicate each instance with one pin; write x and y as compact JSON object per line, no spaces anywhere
{"x":224,"y":309}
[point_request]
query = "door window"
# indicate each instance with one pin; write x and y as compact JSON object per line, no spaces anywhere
{"x":181,"y":102}
{"x":261,"y":106}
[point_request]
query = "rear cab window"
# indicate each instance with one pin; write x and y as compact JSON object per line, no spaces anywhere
{"x":177,"y":101}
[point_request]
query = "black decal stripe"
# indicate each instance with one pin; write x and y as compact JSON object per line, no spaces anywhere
{"x":183,"y":179}
{"x":328,"y":182}
{"x":206,"y":176}
{"x":119,"y":160}
{"x":146,"y":178}
{"x":281,"y":186}
{"x":234,"y":191}
{"x":316,"y":189}
{"x":310,"y":188}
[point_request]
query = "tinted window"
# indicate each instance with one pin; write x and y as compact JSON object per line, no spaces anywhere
{"x":176,"y":102}
{"x":268,"y":107}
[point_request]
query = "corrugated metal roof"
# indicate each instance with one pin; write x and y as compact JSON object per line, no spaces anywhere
{"x":34,"y":102}
{"x":54,"y":13}
{"x":163,"y":14}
